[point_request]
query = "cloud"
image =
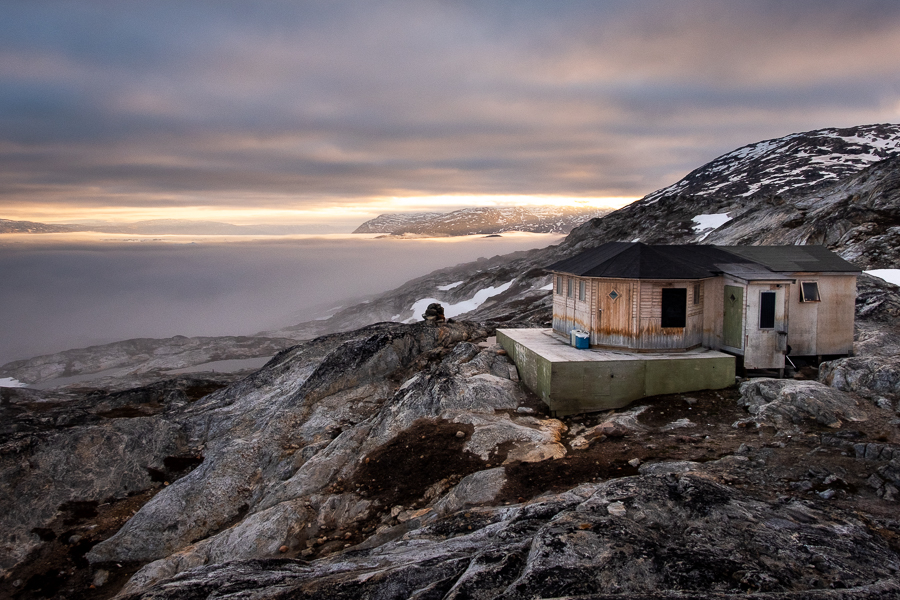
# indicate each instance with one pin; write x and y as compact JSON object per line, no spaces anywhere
{"x":300,"y":104}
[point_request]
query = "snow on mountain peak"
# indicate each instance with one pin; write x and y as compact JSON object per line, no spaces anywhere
{"x":795,"y":161}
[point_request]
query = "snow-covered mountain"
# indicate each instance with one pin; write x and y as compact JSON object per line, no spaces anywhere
{"x":801,"y":160}
{"x":484,"y":221}
{"x":391,"y":222}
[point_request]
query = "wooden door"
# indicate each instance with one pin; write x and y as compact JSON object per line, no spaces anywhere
{"x":733,"y":334}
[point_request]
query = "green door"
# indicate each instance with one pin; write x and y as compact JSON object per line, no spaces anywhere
{"x":734,"y":316}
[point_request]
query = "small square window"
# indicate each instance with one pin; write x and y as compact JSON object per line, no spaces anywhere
{"x":581,"y":287}
{"x":809,"y":291}
{"x":613,"y":295}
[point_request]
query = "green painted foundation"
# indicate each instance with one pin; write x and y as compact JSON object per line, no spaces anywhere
{"x":572,"y":381}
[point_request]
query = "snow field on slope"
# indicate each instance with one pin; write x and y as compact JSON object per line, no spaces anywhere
{"x":889,"y":275}
{"x":452,"y":310}
{"x":709,"y":223}
{"x":10,"y":382}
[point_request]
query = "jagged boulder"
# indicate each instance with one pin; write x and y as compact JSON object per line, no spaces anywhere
{"x":785,"y":403}
{"x":434,"y":313}
{"x":864,"y":374}
{"x":481,"y":487}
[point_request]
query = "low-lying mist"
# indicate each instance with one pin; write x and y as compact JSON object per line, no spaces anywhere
{"x":61,"y":294}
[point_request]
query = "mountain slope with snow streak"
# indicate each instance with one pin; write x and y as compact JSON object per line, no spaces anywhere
{"x":795,"y":161}
{"x":484,"y":221}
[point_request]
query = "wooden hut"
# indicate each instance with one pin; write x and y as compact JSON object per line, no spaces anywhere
{"x":756,"y":302}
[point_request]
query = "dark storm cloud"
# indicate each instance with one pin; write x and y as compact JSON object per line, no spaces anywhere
{"x":139,"y":103}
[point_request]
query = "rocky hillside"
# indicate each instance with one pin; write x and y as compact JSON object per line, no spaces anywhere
{"x":483,"y":221}
{"x":125,"y":364}
{"x":837,"y":187}
{"x":405,"y":461}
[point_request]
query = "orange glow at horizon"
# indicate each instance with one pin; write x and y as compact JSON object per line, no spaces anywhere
{"x":319,"y":212}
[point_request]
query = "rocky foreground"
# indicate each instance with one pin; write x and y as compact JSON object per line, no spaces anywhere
{"x":406,"y":461}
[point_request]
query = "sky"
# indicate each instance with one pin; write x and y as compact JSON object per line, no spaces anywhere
{"x":333,"y":112}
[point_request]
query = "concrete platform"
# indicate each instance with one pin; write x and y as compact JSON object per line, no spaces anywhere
{"x":572,"y":381}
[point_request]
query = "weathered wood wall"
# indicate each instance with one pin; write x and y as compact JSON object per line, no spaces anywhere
{"x":824,"y":327}
{"x":652,"y":335}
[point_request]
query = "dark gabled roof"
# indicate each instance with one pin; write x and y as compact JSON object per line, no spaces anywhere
{"x":791,"y":259}
{"x":634,"y":260}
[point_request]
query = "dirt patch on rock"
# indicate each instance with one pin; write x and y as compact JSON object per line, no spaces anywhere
{"x":58,"y":568}
{"x":400,"y":471}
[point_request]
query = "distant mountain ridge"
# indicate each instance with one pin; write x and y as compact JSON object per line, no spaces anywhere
{"x":9,"y":226}
{"x":484,"y":221}
{"x":167,"y":227}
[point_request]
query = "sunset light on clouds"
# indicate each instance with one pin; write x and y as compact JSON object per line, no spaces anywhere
{"x":334,"y":112}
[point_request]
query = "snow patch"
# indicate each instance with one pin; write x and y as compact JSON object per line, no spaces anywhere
{"x":549,"y":286}
{"x":709,"y":223}
{"x":889,"y":275}
{"x":9,"y":382}
{"x":449,"y":286}
{"x":452,"y":310}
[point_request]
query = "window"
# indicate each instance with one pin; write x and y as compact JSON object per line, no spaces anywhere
{"x":674,"y":307}
{"x":696,"y":293}
{"x":569,"y":288}
{"x":767,"y":310}
{"x":613,"y":295}
{"x":809,"y":291}
{"x":559,"y":285}
{"x":581,"y":287}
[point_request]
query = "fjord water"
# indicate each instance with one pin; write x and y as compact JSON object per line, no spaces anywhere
{"x":63,"y":291}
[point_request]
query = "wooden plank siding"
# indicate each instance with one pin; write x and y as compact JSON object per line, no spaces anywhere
{"x":614,"y":317}
{"x":631,"y":319}
{"x":651,"y":334}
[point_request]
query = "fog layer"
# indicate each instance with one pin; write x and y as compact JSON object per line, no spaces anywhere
{"x":56,"y":296}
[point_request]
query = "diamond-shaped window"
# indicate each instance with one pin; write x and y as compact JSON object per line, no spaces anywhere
{"x":613,"y":294}
{"x":733,"y":298}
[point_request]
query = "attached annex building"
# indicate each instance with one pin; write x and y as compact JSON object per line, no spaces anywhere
{"x":757,"y":303}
